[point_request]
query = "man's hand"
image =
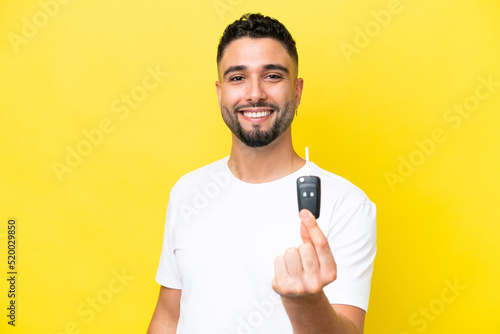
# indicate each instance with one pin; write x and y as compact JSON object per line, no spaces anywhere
{"x":305,"y":270}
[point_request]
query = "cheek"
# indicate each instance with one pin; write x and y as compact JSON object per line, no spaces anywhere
{"x":230,"y":97}
{"x":282,"y":93}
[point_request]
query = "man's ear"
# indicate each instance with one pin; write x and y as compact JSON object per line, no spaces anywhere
{"x":299,"y":85}
{"x":218,"y":87}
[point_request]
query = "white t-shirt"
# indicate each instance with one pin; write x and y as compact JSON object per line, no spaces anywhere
{"x":222,"y":236}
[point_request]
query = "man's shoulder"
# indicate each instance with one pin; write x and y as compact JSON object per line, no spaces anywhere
{"x":215,"y":171}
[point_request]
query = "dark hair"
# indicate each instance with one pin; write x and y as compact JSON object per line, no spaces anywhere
{"x":257,"y":26}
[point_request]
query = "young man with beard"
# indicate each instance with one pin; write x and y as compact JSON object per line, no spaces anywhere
{"x":230,"y":261}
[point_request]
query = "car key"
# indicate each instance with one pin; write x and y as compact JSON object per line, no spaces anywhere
{"x":309,"y":191}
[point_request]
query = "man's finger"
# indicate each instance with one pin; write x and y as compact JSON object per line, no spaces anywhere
{"x":317,"y":237}
{"x":280,"y":267}
{"x":293,"y":262}
{"x":311,"y":226}
{"x":280,"y":274}
{"x":304,"y":233}
{"x":309,"y":258}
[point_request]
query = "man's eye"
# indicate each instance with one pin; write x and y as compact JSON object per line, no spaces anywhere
{"x":274,"y":76}
{"x":237,"y":78}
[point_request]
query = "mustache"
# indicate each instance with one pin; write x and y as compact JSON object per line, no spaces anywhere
{"x":260,"y":104}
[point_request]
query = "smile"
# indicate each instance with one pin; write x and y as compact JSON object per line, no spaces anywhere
{"x":258,"y":114}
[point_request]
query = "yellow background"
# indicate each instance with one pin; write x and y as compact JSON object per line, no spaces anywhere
{"x":361,"y":115}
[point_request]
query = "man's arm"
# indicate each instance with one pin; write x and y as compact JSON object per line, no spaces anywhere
{"x":316,"y":315}
{"x":166,"y":314}
{"x":300,"y":275}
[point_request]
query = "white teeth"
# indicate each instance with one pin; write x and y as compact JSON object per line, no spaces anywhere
{"x":257,"y":114}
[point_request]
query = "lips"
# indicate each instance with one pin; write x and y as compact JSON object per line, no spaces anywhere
{"x":258,"y":114}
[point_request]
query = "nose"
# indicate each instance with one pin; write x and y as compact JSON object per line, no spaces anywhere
{"x":255,"y":91}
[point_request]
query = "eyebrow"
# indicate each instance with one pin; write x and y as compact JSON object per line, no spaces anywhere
{"x":276,"y":67}
{"x":237,"y":68}
{"x":234,"y":68}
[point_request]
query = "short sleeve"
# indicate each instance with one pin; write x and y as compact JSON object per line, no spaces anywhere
{"x":352,"y":238}
{"x":167,"y":274}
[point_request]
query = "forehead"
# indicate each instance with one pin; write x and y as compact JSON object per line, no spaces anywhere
{"x":255,"y":52}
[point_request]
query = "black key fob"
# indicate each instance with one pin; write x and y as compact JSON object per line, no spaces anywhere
{"x":309,"y":194}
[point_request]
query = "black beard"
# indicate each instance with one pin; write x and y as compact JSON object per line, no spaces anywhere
{"x":256,"y":137}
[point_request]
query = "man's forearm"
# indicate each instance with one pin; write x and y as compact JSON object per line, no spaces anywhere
{"x":314,"y":314}
{"x":161,"y":326}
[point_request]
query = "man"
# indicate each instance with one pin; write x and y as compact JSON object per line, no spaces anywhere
{"x":230,"y":261}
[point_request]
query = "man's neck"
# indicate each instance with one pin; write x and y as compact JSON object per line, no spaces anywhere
{"x":264,"y":164}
